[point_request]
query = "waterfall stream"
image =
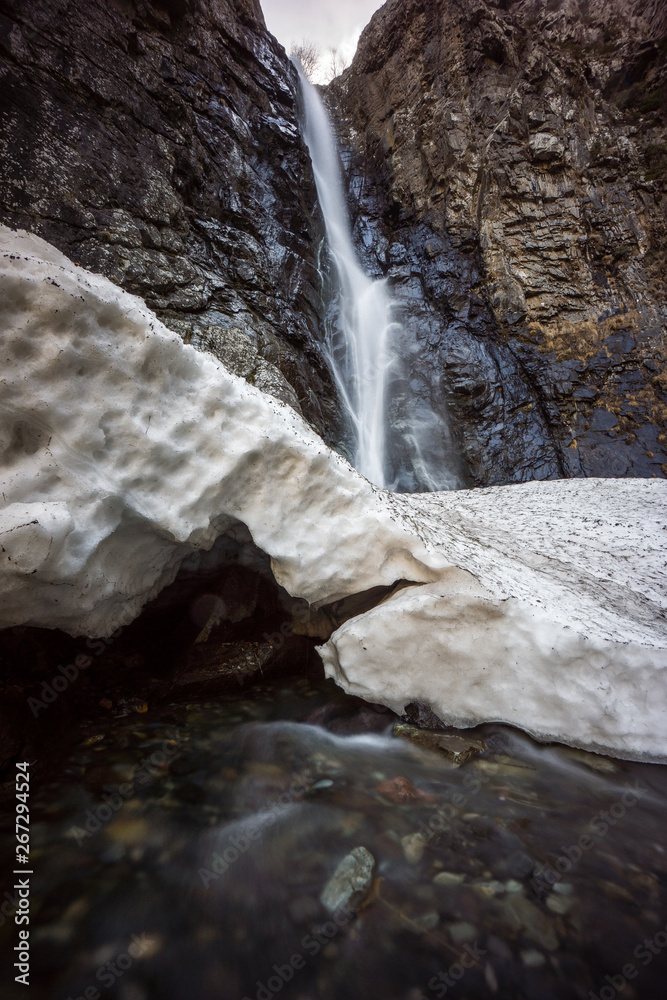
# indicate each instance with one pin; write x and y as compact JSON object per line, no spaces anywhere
{"x":399,"y":441}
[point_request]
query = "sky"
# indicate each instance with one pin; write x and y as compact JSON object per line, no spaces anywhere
{"x":329,"y":23}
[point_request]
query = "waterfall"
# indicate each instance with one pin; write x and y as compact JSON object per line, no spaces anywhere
{"x":399,"y":442}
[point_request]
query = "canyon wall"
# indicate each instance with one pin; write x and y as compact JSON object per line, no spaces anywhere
{"x":507,"y":167}
{"x":158,"y":144}
{"x":506,"y":164}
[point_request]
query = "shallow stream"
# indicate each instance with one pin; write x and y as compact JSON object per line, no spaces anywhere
{"x":191,"y":852}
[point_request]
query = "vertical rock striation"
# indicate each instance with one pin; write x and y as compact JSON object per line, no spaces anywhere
{"x":157,"y":143}
{"x":507,"y":166}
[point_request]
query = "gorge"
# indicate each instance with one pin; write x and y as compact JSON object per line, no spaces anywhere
{"x":363,"y":385}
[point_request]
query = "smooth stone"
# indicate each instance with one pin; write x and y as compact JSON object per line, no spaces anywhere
{"x":558,"y":904}
{"x":448,"y":878}
{"x":563,"y":888}
{"x":525,"y":915}
{"x":461,"y":932}
{"x":425,"y":922}
{"x":513,"y":886}
{"x":350,"y":882}
{"x":413,"y":845}
{"x":532,"y":959}
{"x":488,"y":889}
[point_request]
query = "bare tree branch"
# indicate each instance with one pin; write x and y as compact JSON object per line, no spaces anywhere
{"x":308,"y":54}
{"x":336,"y":64}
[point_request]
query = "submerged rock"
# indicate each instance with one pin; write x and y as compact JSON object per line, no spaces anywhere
{"x":160,"y":147}
{"x":414,"y":845}
{"x":457,"y":748}
{"x":448,"y":878}
{"x":350,"y":882}
{"x":401,"y":790}
{"x":525,"y":916}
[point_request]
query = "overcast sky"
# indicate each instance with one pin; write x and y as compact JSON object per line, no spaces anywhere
{"x":330,"y":23}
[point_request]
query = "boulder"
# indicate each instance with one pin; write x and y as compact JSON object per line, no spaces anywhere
{"x":545,"y":148}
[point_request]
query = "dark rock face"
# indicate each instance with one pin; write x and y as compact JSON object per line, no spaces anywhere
{"x":507,"y":166}
{"x":506,"y":162}
{"x":158,"y":144}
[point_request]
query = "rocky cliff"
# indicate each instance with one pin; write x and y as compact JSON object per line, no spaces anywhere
{"x":158,"y":144}
{"x":507,"y":166}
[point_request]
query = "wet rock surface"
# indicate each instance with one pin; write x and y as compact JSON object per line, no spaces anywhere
{"x":506,"y":165}
{"x":456,"y":748}
{"x":201,"y":841}
{"x":158,"y":144}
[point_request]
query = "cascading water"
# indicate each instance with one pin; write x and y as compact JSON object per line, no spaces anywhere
{"x":398,"y":442}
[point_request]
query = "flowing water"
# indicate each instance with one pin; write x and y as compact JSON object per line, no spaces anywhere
{"x":185,"y":854}
{"x":399,"y":441}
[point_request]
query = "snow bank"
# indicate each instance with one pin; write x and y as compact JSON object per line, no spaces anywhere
{"x":123,"y":451}
{"x":557,"y":626}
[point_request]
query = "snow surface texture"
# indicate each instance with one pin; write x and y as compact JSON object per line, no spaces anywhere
{"x":123,"y":451}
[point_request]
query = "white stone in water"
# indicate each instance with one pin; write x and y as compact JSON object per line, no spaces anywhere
{"x":351,"y":881}
{"x":124,"y":451}
{"x":414,"y":845}
{"x":448,"y":878}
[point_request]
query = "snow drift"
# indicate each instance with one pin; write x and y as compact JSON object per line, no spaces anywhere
{"x":123,"y":451}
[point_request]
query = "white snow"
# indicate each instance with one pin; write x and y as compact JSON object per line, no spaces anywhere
{"x":123,"y":449}
{"x":542,"y":605}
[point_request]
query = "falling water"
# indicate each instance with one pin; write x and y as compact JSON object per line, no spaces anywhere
{"x":367,"y":348}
